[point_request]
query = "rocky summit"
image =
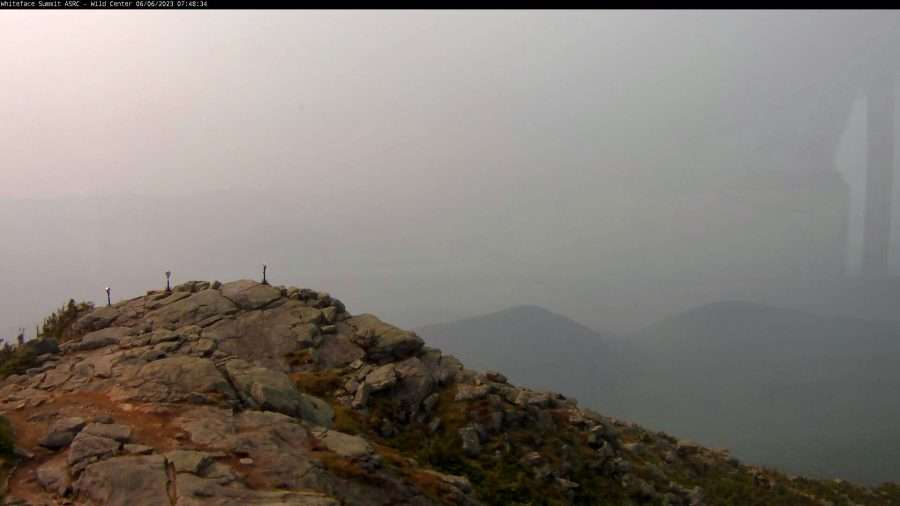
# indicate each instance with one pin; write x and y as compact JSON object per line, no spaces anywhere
{"x":249,"y":394}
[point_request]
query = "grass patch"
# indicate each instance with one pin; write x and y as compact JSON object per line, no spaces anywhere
{"x":320,"y":384}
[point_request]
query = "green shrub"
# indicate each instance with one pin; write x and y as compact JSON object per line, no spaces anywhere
{"x":7,"y":440}
{"x":59,"y":324}
{"x":16,"y":360}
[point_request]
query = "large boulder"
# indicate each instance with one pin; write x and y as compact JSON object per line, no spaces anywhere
{"x":342,"y":444}
{"x":62,"y":432}
{"x":248,"y":294}
{"x":415,"y":383}
{"x":54,"y":476}
{"x":381,"y":378}
{"x":101,"y":338}
{"x":266,"y":337}
{"x":114,"y":431}
{"x":176,"y":379}
{"x":337,"y":351}
{"x":273,"y":390}
{"x":98,"y":319}
{"x":384,"y":341}
{"x":87,"y":448}
{"x":189,"y":461}
{"x":207,"y":491}
{"x":126,"y":481}
{"x":192,"y":310}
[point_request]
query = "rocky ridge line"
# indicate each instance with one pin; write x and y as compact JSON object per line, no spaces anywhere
{"x":244,"y":393}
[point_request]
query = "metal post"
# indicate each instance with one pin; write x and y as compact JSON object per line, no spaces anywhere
{"x":265,"y":282}
{"x":108,"y":299}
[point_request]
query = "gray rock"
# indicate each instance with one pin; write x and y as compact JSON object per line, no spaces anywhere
{"x":62,"y":432}
{"x":191,"y":286}
{"x":329,"y":313}
{"x":385,"y":341}
{"x":116,"y":432}
{"x":495,"y":376}
{"x":189,"y":461}
{"x":413,"y":386}
{"x":344,"y":445}
{"x":176,"y":379}
{"x":22,"y":453}
{"x":471,"y":392}
{"x":101,"y":338}
{"x":265,"y":337}
{"x":274,"y":390}
{"x":460,"y":483}
{"x":382,"y":378}
{"x":192,"y":310}
{"x":471,"y":443}
{"x":162,"y":336}
{"x":316,"y":411}
{"x":54,"y":477}
{"x":208,"y":426}
{"x":337,"y":351}
{"x":248,"y":294}
{"x":204,"y":347}
{"x":361,"y":397}
{"x":98,"y":319}
{"x":134,"y":449}
{"x":166,"y":299}
{"x":199,"y":491}
{"x":87,"y":448}
{"x":126,"y":481}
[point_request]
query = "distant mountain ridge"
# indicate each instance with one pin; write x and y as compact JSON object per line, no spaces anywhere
{"x":810,"y":393}
{"x":531,"y":345}
{"x":780,"y":386}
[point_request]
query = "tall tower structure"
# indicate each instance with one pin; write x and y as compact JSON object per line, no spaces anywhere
{"x":879,"y":176}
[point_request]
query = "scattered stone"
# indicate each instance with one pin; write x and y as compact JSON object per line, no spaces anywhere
{"x":471,"y":444}
{"x":382,"y":378}
{"x":116,"y":432}
{"x":344,"y":445}
{"x":385,"y":341}
{"x":361,"y":397}
{"x":62,"y":432}
{"x":248,"y":294}
{"x":188,"y":461}
{"x":126,"y":481}
{"x":87,"y":448}
{"x":135,"y":449}
{"x":495,"y":376}
{"x":101,"y":338}
{"x":54,"y":477}
{"x":471,"y":392}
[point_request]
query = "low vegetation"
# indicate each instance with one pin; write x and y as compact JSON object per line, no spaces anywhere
{"x":16,"y":360}
{"x":59,"y":325}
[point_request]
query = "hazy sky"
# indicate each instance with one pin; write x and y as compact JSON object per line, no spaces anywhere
{"x":430,"y":165}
